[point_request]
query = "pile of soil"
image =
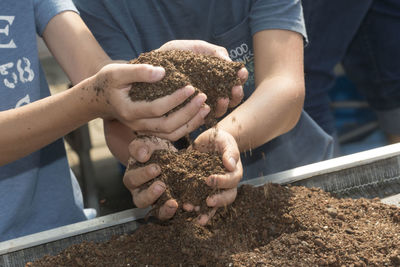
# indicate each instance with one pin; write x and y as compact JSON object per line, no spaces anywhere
{"x":271,"y":225}
{"x":209,"y":74}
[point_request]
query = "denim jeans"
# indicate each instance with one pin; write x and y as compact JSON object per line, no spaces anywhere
{"x":364,"y":36}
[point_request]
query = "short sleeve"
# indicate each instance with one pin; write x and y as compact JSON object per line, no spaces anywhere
{"x":277,"y":14}
{"x":45,"y":10}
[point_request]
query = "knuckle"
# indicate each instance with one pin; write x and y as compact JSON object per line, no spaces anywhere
{"x":154,"y":112}
{"x":142,"y":199}
{"x":124,"y":114}
{"x":110,"y":74}
{"x":222,"y":50}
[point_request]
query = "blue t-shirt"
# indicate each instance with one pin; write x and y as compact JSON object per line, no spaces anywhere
{"x":35,"y":191}
{"x":127,"y":28}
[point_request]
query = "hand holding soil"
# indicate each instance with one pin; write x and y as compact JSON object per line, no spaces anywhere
{"x":205,"y":48}
{"x":106,"y":94}
{"x":216,"y":77}
{"x":216,"y":140}
{"x":211,"y":75}
{"x":198,"y":180}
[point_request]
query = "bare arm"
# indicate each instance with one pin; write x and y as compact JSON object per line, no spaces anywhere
{"x":35,"y":125}
{"x":103,"y":95}
{"x":67,"y":32}
{"x":275,"y":106}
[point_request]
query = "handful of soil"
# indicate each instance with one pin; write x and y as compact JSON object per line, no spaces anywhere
{"x":184,"y":173}
{"x":209,"y":74}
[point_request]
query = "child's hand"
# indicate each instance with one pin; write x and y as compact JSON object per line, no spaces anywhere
{"x":215,"y":139}
{"x":141,"y":150}
{"x":109,"y":90}
{"x":205,"y":48}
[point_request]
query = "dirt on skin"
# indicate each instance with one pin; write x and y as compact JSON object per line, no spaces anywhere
{"x":271,"y":225}
{"x":209,"y":74}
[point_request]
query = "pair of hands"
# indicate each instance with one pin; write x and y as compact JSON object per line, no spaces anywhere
{"x":147,"y":118}
{"x":219,"y":140}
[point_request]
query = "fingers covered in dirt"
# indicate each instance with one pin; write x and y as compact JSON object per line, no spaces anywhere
{"x":135,"y":178}
{"x":167,"y":211}
{"x":142,"y":147}
{"x":177,"y":124}
{"x":216,"y":201}
{"x":174,"y":125}
{"x":143,"y":198}
{"x":237,"y":95}
{"x":141,"y":150}
{"x":203,"y":219}
{"x":215,"y":139}
{"x":109,"y":98}
{"x":109,"y":87}
{"x":237,"y":91}
{"x":222,"y":107}
{"x":222,"y":199}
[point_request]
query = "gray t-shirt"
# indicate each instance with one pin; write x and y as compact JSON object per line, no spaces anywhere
{"x":35,"y":191}
{"x":127,"y":28}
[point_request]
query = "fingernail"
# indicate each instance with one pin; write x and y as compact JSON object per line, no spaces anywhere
{"x":200,"y":99}
{"x":212,"y":202}
{"x":158,"y":72}
{"x":211,"y":181}
{"x":189,"y":90}
{"x":154,"y":169}
{"x":158,"y":189}
{"x":143,"y":151}
{"x":171,"y":207}
{"x":204,"y":111}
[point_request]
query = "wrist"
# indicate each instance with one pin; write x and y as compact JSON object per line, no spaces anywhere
{"x":91,"y":94}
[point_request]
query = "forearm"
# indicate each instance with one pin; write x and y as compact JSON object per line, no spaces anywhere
{"x":118,"y":138}
{"x":74,"y":47}
{"x":33,"y":126}
{"x":272,"y":110}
